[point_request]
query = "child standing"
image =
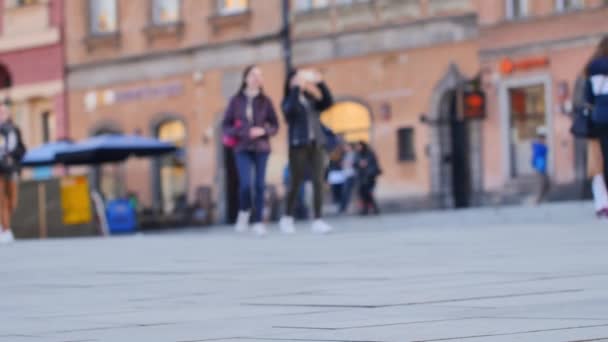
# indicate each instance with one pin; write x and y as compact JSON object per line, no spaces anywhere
{"x":540,"y":153}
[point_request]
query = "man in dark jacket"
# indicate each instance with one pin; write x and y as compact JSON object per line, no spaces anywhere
{"x":306,"y":97}
{"x":12,"y":151}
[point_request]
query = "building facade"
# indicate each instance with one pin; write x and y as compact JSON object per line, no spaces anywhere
{"x":32,"y":67}
{"x":532,"y":54}
{"x":397,"y":68}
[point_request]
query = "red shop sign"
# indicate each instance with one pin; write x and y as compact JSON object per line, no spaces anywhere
{"x":508,"y":66}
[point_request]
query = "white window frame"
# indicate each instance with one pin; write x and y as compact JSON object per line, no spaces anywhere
{"x":510,"y":9}
{"x":93,"y":30}
{"x":309,"y":5}
{"x":560,"y":6}
{"x":155,"y":16}
{"x":223,"y":10}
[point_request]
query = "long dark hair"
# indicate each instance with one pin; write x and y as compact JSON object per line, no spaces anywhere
{"x":246,"y":72}
{"x":290,"y":75}
{"x":600,"y":52}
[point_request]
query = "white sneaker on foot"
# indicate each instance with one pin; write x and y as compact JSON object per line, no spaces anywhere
{"x":287,"y":225}
{"x":321,"y":227}
{"x":242,"y":222}
{"x":6,"y":237}
{"x":260,"y":229}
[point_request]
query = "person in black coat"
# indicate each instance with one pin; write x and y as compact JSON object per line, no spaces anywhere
{"x":368,"y":171}
{"x":596,"y":95}
{"x":306,"y":97}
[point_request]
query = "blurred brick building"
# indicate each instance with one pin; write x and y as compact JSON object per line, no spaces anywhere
{"x":32,"y":67}
{"x":397,"y":68}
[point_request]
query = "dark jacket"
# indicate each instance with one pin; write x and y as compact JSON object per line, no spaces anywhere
{"x":12,"y":148}
{"x":236,"y":123}
{"x":369,"y":173}
{"x":296,"y":115}
{"x":596,"y":89}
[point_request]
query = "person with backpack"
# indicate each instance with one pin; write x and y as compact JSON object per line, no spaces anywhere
{"x":306,"y":97}
{"x":12,"y":151}
{"x":249,"y":123}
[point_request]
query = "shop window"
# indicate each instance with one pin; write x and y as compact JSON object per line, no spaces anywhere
{"x":103,"y":16}
{"x":405,"y":147}
{"x":19,"y":3}
{"x":172,"y":172}
{"x":527,"y":107}
{"x":166,"y":12}
{"x":310,"y":5}
{"x":230,"y":7}
{"x":349,"y":120}
{"x":569,"y":5}
{"x":517,"y":9}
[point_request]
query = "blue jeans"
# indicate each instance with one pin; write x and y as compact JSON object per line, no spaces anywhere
{"x":347,"y":190}
{"x":246,"y":163}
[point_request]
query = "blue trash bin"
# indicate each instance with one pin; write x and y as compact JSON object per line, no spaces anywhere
{"x":122,"y":217}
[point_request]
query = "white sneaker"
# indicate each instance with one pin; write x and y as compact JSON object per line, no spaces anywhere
{"x":242,"y":222}
{"x":260,"y":229}
{"x":7,"y":237}
{"x":287,"y":225}
{"x":321,"y":227}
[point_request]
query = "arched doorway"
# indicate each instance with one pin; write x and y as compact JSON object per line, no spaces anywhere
{"x":455,"y":156}
{"x":6,"y":80}
{"x":350,"y":120}
{"x":171,"y":193}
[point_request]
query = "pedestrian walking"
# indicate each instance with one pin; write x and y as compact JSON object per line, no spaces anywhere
{"x":540,"y":153}
{"x":306,"y":97}
{"x":249,"y":123}
{"x":368,"y":171}
{"x":596,"y":96}
{"x":12,"y":151}
{"x":349,"y":172}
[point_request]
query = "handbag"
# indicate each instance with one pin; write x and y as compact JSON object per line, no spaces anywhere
{"x":582,"y":125}
{"x":229,"y":140}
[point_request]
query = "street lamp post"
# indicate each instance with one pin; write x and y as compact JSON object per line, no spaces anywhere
{"x":286,"y":36}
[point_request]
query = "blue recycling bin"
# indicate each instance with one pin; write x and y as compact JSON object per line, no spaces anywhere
{"x":122,"y":217}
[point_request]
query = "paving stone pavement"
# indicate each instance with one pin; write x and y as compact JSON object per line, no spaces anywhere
{"x":515,"y":274}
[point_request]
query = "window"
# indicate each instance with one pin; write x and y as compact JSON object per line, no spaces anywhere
{"x":569,"y":5}
{"x":349,"y":2}
{"x":48,"y":127}
{"x":103,"y":16}
{"x":309,"y":5}
{"x":517,"y":9}
{"x":5,"y":78}
{"x":228,"y":7}
{"x":19,"y":3}
{"x":165,"y":11}
{"x":405,"y":141}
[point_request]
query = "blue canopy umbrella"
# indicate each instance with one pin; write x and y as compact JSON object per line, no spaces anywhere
{"x":45,"y":155}
{"x":110,"y":148}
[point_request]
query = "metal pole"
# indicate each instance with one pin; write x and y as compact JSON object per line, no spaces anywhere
{"x":286,"y":36}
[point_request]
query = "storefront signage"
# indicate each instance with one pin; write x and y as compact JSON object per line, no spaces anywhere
{"x":509,"y":66}
{"x":109,"y":97}
{"x":474,"y":105}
